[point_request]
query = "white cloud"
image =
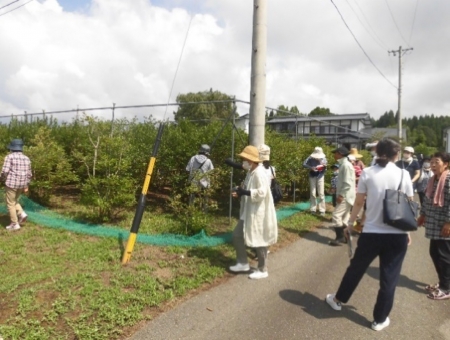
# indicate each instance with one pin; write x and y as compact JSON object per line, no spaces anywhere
{"x":126,"y":52}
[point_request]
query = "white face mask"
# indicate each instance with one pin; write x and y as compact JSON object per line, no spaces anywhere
{"x":426,"y":166}
{"x":246,"y":165}
{"x":407,"y":158}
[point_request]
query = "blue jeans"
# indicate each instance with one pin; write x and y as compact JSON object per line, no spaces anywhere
{"x":391,"y":249}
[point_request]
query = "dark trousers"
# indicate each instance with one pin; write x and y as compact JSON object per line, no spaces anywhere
{"x":421,"y":197}
{"x":391,"y":249}
{"x":440,"y":254}
{"x":333,"y":197}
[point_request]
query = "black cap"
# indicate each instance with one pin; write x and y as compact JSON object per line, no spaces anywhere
{"x":342,"y":150}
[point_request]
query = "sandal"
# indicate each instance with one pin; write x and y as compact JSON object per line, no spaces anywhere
{"x":432,"y":288}
{"x":439,"y":295}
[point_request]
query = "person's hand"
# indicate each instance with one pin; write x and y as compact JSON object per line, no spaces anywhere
{"x":339,"y":199}
{"x":25,"y":190}
{"x":445,"y":231}
{"x":348,"y":230}
{"x":421,"y":220}
{"x":241,"y":191}
{"x":409,"y":239}
{"x":314,"y":168}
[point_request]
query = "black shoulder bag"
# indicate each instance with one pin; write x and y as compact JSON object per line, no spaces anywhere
{"x":398,"y":211}
{"x":275,"y":188}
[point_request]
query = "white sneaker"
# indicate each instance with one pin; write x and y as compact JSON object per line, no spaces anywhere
{"x":22,"y":218}
{"x":380,"y":326}
{"x":333,"y":304}
{"x":13,"y":226}
{"x":257,"y":274}
{"x":240,"y":268}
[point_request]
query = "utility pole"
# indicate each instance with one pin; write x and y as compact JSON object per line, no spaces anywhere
{"x":258,"y":74}
{"x":399,"y":109}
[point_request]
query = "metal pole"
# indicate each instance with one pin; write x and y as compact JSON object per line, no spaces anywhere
{"x":258,"y":73}
{"x":399,"y":110}
{"x":232,"y":169}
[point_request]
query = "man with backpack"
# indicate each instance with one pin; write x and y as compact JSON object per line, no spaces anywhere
{"x":200,"y":164}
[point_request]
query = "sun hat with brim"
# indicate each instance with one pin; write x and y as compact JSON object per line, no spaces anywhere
{"x":371,"y":145}
{"x":354,"y":152}
{"x":408,"y":149}
{"x":264,"y":152}
{"x":251,"y":153}
{"x":342,"y":150}
{"x":16,"y":145}
{"x":318,"y":153}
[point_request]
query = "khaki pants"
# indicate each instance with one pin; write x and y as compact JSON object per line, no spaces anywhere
{"x":341,"y":213}
{"x":12,"y":203}
{"x":317,"y":188}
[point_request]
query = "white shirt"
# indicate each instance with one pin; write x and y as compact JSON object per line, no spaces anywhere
{"x":373,"y":182}
{"x":269,"y":174}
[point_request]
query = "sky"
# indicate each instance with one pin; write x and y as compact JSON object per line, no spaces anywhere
{"x":68,"y":54}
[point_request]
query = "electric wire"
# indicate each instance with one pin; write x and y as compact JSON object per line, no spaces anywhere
{"x":178,"y":65}
{"x":414,"y":20}
{"x":362,"y":24}
{"x":370,"y":26}
{"x":354,"y":37}
{"x":395,"y":22}
{"x":9,"y":4}
{"x":16,"y":8}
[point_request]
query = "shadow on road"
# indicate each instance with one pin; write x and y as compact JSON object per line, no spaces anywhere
{"x":319,"y":309}
{"x":404,"y":281}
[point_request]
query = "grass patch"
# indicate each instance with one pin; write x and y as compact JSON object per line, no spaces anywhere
{"x":60,"y":285}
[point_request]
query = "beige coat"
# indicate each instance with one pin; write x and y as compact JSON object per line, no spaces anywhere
{"x":258,"y":211}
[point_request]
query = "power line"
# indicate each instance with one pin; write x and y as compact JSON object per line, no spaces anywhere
{"x":414,"y":20}
{"x":362,"y":24}
{"x":8,"y":4}
{"x":354,"y":37}
{"x":393,"y":19}
{"x":178,"y":65}
{"x":16,"y":8}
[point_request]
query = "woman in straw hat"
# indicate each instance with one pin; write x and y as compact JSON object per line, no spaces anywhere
{"x":358,"y":162}
{"x":257,"y":227}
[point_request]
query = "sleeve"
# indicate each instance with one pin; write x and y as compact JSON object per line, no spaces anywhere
{"x":6,"y":167}
{"x":210,"y":166}
{"x":189,"y":165}
{"x":306,"y":163}
{"x":346,"y":182}
{"x":324,"y":161}
{"x":407,"y":186}
{"x":447,"y":199}
{"x":362,"y":184}
{"x":260,"y":187}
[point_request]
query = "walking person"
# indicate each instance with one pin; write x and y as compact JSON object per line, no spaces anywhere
{"x":345,"y":195}
{"x":435,"y":216}
{"x":422,"y":182}
{"x":377,"y":238}
{"x":333,"y":184}
{"x":317,"y":165}
{"x":200,"y":163}
{"x":16,"y":173}
{"x":257,"y":226}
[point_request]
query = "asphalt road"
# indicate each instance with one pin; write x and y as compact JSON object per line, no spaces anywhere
{"x":289,"y":304}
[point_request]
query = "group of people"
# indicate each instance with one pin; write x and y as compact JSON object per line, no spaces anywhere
{"x":379,"y":239}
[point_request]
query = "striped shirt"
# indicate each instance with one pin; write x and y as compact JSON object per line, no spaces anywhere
{"x":17,"y":170}
{"x":435,"y":216}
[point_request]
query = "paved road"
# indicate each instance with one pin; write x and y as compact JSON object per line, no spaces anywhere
{"x":289,"y":304}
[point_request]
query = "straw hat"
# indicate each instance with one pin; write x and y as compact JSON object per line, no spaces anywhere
{"x":264,"y":152}
{"x":354,"y":152}
{"x":251,"y":153}
{"x":318,"y":153}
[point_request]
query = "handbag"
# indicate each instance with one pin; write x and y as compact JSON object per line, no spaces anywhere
{"x":398,"y":211}
{"x":275,"y":188}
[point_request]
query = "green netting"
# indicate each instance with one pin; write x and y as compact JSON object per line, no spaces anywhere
{"x":45,"y":217}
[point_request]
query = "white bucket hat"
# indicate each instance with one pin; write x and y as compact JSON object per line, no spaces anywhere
{"x":409,"y":149}
{"x":264,"y":152}
{"x":318,"y":153}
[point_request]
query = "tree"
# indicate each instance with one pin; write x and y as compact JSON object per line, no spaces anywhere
{"x":320,"y":111}
{"x":220,"y":108}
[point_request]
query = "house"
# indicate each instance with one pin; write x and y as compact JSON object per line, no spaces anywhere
{"x":353,"y":130}
{"x":243,"y":122}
